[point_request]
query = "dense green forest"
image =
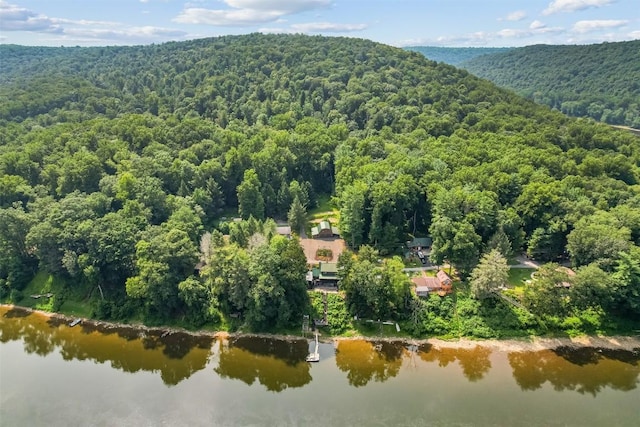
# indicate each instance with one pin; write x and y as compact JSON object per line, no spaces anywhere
{"x":454,"y":55}
{"x":121,"y":166}
{"x":601,"y":81}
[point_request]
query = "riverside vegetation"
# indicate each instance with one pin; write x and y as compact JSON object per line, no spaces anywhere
{"x":120,"y":166}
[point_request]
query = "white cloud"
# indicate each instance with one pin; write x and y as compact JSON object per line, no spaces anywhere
{"x":16,"y":18}
{"x":285,"y":7}
{"x":557,"y":6}
{"x":83,"y":22}
{"x":229,"y":17}
{"x":316,"y":27}
{"x":536,"y":25}
{"x":518,"y":15}
{"x":146,"y":33}
{"x":503,"y":37}
{"x":512,"y":33}
{"x":634,"y":34}
{"x":596,"y":25}
{"x":144,"y":1}
{"x":271,"y":30}
{"x":535,"y":29}
{"x":248,"y":12}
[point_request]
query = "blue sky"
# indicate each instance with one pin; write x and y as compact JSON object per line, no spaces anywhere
{"x":394,"y":22}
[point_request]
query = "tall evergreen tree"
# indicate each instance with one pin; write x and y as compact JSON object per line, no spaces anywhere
{"x":250,"y":201}
{"x":297,"y":215}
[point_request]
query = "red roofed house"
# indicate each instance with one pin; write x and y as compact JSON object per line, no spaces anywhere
{"x":441,"y":284}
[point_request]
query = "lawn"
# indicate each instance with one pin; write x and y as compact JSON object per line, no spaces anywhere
{"x":325,"y":210}
{"x":65,"y":299}
{"x":518,"y":276}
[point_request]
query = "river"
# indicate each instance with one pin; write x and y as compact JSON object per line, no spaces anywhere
{"x":96,"y":375}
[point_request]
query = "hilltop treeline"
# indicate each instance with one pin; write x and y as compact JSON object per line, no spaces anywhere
{"x":454,"y":55}
{"x":599,"y":81}
{"x":115,"y":161}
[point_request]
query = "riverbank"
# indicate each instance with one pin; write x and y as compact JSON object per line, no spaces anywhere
{"x":628,"y":343}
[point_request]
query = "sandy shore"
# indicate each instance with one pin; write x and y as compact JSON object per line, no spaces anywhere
{"x":629,"y":343}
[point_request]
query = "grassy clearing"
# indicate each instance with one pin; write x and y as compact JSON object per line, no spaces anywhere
{"x":42,"y":283}
{"x":518,"y":276}
{"x":76,"y":308}
{"x":66,"y":299}
{"x":325,"y":210}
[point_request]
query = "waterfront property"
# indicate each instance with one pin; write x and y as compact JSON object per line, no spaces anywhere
{"x":325,"y":275}
{"x":189,"y":379}
{"x":441,"y":284}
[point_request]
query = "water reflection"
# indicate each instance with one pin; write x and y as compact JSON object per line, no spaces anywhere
{"x":475,"y":362}
{"x":280,"y":364}
{"x":364,"y":361}
{"x":274,"y":363}
{"x":585,"y":370}
{"x":176,"y":356}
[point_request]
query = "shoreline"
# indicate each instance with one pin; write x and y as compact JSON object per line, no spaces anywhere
{"x":534,"y":343}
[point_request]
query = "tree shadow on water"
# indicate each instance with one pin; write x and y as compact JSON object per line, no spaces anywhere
{"x":592,"y":355}
{"x":276,"y":364}
{"x":16,"y":312}
{"x":366,"y":361}
{"x":584,"y":370}
{"x":475,"y":362}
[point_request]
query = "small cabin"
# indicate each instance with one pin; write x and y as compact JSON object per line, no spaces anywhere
{"x":420,"y":244}
{"x":328,"y":274}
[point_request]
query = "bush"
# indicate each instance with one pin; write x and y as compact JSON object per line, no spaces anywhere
{"x":437,"y":325}
{"x":4,"y":289}
{"x":592,"y":319}
{"x":16,"y":296}
{"x":324,"y":254}
{"x":337,"y":314}
{"x":572,"y":325}
{"x":102,"y":309}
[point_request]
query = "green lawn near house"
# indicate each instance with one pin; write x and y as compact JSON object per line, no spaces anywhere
{"x":518,"y":276}
{"x":325,"y":210}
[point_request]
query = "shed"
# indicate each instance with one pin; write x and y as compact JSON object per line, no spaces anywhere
{"x":323,"y":230}
{"x":284,"y":230}
{"x":422,"y":291}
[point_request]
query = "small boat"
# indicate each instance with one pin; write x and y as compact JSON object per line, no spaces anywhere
{"x":315,"y":356}
{"x":75,"y":322}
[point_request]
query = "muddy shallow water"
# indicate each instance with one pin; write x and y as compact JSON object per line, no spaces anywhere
{"x":55,"y":375}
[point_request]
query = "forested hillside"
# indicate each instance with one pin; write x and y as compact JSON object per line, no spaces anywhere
{"x":454,"y":55}
{"x":601,"y":81}
{"x":115,"y":161}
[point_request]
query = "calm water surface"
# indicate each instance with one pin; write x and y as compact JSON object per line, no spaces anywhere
{"x":55,"y":375}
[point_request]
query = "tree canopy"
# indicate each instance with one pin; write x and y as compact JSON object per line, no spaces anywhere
{"x":599,"y":81}
{"x":115,"y":161}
